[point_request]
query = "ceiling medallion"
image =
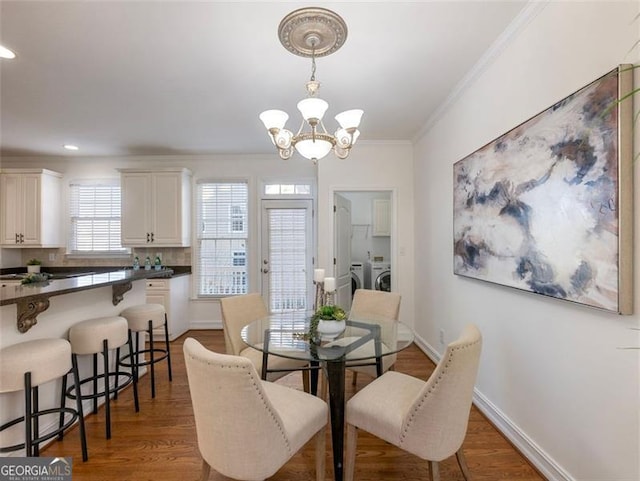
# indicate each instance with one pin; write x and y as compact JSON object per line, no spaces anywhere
{"x":312,"y":32}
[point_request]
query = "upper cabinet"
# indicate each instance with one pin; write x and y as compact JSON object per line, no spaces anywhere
{"x":381,"y":217}
{"x":156,"y":207}
{"x":31,"y":210}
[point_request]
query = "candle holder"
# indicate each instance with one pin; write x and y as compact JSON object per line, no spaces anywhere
{"x":328,"y":298}
{"x":319,"y":300}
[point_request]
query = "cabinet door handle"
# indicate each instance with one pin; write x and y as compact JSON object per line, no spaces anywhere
{"x":21,"y":238}
{"x":17,"y":238}
{"x":152,"y":237}
{"x":147,"y":237}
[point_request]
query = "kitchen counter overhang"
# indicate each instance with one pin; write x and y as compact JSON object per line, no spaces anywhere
{"x":32,"y":299}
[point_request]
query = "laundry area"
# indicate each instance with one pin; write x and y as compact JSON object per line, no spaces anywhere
{"x":370,"y":240}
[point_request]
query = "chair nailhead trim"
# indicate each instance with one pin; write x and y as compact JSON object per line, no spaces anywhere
{"x":433,"y":388}
{"x":272,"y":414}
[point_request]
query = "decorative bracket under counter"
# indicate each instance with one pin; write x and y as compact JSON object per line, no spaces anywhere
{"x":32,"y":299}
{"x":118,"y":292}
{"x":28,"y":310}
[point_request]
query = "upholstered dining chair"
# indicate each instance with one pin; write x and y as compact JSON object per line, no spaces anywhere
{"x":428,"y":419}
{"x":237,"y":312}
{"x":373,"y":305}
{"x":247,"y":429}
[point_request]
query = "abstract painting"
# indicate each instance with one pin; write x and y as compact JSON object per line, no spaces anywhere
{"x":547,"y":207}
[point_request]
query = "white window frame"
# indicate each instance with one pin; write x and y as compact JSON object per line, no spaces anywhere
{"x":122,"y":252}
{"x":238,"y":281}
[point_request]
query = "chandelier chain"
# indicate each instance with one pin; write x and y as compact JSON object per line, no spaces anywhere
{"x":313,"y":64}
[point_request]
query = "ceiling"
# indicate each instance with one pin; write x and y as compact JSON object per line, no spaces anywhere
{"x":122,"y":78}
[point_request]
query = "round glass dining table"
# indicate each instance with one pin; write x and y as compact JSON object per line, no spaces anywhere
{"x":362,"y":343}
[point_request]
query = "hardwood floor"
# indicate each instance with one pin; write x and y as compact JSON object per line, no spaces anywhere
{"x":159,"y":442}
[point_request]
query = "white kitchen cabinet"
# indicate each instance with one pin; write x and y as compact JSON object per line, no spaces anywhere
{"x":173,"y":294}
{"x":156,"y":208}
{"x":381,"y":217}
{"x":31,"y":210}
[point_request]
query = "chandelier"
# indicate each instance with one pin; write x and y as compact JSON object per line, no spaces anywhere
{"x":312,"y":32}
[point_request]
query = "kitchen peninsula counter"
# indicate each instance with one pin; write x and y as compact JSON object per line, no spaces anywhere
{"x":33,"y":299}
{"x":47,"y":310}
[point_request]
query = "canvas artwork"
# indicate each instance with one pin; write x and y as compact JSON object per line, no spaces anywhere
{"x":546,"y":207}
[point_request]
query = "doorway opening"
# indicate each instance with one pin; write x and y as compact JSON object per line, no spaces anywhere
{"x":363,"y":250}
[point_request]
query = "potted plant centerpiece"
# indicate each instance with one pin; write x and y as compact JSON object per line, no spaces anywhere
{"x":328,"y":322}
{"x":33,"y":265}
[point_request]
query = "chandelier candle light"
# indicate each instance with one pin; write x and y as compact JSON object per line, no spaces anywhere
{"x":312,"y":32}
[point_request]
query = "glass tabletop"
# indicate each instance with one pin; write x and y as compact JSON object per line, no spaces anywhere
{"x":289,"y":335}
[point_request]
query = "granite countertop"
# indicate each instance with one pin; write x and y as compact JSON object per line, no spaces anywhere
{"x":13,"y":294}
{"x":18,"y":273}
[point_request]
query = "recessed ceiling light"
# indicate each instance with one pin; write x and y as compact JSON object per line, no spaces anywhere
{"x":6,"y":53}
{"x":70,"y":147}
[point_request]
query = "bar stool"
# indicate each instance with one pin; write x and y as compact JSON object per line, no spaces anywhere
{"x":146,"y":318}
{"x":100,"y":335}
{"x":25,"y":367}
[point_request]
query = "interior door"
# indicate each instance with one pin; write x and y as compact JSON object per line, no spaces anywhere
{"x":342,"y":250}
{"x":287,"y":255}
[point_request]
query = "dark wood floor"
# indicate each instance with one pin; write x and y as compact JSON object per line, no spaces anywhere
{"x":159,"y":443}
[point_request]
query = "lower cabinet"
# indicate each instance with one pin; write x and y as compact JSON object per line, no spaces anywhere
{"x":173,"y":294}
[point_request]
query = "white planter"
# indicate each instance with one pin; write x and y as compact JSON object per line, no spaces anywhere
{"x":33,"y":269}
{"x":329,"y":330}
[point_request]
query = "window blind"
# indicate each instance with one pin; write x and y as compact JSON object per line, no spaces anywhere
{"x":288,"y":257}
{"x":222,"y":234}
{"x":94,"y":210}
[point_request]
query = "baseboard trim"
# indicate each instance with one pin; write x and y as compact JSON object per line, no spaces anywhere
{"x":544,"y":463}
{"x":202,"y":325}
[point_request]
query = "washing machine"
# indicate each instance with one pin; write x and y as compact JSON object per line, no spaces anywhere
{"x":378,"y":276}
{"x":357,"y":276}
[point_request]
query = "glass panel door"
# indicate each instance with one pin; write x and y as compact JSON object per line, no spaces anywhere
{"x":286,"y":265}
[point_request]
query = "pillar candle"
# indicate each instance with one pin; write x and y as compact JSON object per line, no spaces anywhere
{"x":318,"y":275}
{"x":329,"y":284}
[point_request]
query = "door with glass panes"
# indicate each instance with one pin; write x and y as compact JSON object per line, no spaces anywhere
{"x":286,"y":262}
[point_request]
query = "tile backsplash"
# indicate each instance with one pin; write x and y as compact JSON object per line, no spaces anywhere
{"x":170,"y":256}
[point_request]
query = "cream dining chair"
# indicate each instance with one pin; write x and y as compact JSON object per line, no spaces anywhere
{"x":237,"y":312}
{"x":373,"y":305}
{"x":247,"y":429}
{"x":428,"y":419}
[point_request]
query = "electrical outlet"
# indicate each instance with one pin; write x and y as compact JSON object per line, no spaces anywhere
{"x":442,"y":336}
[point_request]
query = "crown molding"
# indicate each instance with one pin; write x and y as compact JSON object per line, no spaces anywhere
{"x":517,"y":25}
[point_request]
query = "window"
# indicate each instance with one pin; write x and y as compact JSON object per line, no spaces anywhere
{"x":287,"y":189}
{"x":238,"y":216}
{"x":222,"y":238}
{"x":95,"y":217}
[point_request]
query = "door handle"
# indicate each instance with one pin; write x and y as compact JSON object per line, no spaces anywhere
{"x":265,"y":270}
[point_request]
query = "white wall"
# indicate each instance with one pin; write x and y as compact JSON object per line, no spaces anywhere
{"x":374,"y":166}
{"x":552,"y":374}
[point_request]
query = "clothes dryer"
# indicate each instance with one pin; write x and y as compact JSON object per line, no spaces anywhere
{"x":378,"y":276}
{"x":357,"y":276}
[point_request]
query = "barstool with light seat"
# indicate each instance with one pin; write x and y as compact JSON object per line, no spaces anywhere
{"x":145,"y":318}
{"x":26,"y":366}
{"x":100,"y":335}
